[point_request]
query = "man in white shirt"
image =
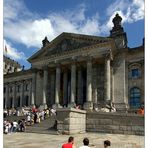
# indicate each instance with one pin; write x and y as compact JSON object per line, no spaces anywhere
{"x":15,"y":125}
{"x":86,"y":143}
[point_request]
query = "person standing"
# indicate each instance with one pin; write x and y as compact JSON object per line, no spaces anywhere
{"x":86,"y":143}
{"x":70,"y":143}
{"x":15,"y":125}
{"x":107,"y":143}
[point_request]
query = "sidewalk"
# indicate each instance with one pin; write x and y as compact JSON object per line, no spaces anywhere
{"x":34,"y":140}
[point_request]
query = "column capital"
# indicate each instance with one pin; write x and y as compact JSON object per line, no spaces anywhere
{"x":108,"y":55}
{"x":45,"y":67}
{"x":73,"y":60}
{"x":58,"y":65}
{"x":89,"y":58}
{"x":6,"y":84}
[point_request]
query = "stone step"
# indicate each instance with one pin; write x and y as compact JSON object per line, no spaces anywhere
{"x":45,"y":126}
{"x":12,"y":118}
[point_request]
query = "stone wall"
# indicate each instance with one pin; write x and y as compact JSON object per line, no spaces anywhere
{"x":71,"y":121}
{"x":118,"y":123}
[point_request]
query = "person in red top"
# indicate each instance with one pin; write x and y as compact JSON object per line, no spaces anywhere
{"x":141,"y":111}
{"x":70,"y":143}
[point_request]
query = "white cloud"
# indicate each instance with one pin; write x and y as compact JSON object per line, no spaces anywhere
{"x":30,"y":29}
{"x":118,"y":5}
{"x":15,"y":10}
{"x":31,"y":32}
{"x":91,"y":26}
{"x":10,"y":51}
{"x":132,"y":10}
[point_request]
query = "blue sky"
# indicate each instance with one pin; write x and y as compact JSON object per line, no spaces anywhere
{"x":27,"y":22}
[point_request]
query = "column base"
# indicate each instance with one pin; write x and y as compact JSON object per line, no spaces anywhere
{"x":56,"y":105}
{"x":72,"y":105}
{"x":121,"y":107}
{"x":88,"y":105}
{"x":43,"y":106}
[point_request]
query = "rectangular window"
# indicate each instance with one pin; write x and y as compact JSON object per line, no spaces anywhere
{"x":135,"y":73}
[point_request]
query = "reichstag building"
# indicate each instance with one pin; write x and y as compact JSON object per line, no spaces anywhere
{"x":76,"y":69}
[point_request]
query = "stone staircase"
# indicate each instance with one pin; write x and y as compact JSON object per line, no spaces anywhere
{"x":44,"y":127}
{"x":12,"y":118}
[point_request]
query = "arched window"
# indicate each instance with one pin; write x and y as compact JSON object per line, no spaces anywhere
{"x":135,"y":97}
{"x":134,"y":70}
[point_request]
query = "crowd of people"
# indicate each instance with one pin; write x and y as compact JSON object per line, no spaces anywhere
{"x":71,"y":143}
{"x":29,"y":117}
{"x":14,"y":126}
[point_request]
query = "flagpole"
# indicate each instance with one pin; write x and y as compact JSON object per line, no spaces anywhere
{"x":6,"y":50}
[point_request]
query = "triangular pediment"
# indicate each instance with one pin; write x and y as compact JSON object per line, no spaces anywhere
{"x":67,"y":42}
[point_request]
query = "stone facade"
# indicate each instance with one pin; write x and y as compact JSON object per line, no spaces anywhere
{"x":84,"y":70}
{"x":11,"y":66}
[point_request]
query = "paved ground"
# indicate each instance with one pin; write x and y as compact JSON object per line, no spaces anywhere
{"x":34,"y":140}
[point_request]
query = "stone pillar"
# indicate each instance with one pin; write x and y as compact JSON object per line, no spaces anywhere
{"x":22,"y":94}
{"x":30,"y":91}
{"x":80,"y":88}
{"x":120,"y":85}
{"x":107,"y":80}
{"x":73,"y":85}
{"x":89,"y":103}
{"x":95,"y":96}
{"x":95,"y":84}
{"x":65,"y":88}
{"x":14,"y":95}
{"x":7,"y":95}
{"x":45,"y":82}
{"x":57,"y":86}
{"x":33,"y":89}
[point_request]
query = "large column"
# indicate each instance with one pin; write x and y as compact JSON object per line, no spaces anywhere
{"x":7,"y":95}
{"x":65,"y":88}
{"x":73,"y":85}
{"x":14,"y":94}
{"x":80,"y":88}
{"x":30,"y":91}
{"x":94,"y":88}
{"x":57,"y":86}
{"x":107,"y":80}
{"x":45,"y":81}
{"x":22,"y":94}
{"x":95,"y":96}
{"x":33,"y":88}
{"x":89,"y":103}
